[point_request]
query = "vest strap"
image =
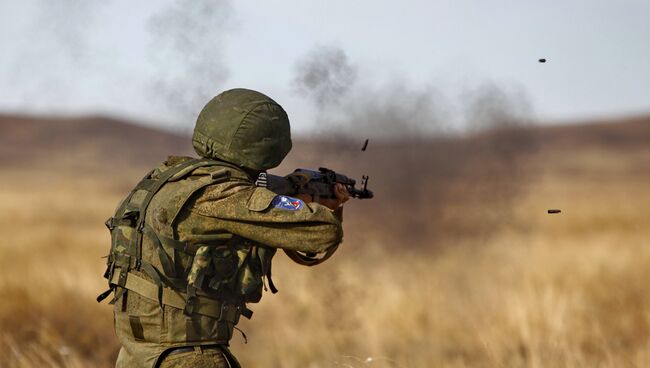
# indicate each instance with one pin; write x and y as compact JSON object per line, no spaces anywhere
{"x":202,"y":305}
{"x":154,"y":188}
{"x":309,"y":260}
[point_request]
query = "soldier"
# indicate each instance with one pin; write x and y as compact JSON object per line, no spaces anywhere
{"x":192,"y":243}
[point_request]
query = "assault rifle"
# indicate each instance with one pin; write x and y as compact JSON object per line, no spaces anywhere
{"x":319,"y":184}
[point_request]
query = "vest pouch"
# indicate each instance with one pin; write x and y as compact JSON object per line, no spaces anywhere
{"x":122,"y":244}
{"x":248,"y":280}
{"x":201,"y":266}
{"x":224,"y":265}
{"x":141,"y":320}
{"x":265,"y":255}
{"x":196,"y":328}
{"x":122,"y":233}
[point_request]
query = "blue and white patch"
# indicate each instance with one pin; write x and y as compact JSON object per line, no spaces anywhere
{"x":287,"y":203}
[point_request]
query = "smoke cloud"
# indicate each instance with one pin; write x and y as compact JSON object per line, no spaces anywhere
{"x":66,"y":22}
{"x":187,"y":51}
{"x":489,"y":106}
{"x":348,"y":105}
{"x":394,"y":110}
{"x":423,"y":165}
{"x":351,"y":103}
{"x":54,"y":50}
{"x":325,"y":75}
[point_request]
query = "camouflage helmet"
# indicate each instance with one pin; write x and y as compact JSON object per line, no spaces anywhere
{"x":243,"y":127}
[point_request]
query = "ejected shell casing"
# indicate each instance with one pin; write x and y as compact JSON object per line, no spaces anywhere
{"x":554,"y":211}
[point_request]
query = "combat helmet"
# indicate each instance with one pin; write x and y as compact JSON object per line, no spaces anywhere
{"x":243,"y":127}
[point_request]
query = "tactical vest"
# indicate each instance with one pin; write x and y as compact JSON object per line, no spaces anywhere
{"x":178,"y":293}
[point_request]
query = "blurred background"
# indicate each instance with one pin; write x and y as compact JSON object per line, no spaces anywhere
{"x":480,"y":117}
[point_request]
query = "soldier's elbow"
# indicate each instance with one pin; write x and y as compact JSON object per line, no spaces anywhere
{"x":328,"y":238}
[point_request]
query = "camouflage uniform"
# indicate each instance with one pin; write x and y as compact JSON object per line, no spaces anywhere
{"x":192,"y":244}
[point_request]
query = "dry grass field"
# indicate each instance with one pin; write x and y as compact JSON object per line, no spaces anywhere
{"x":455,"y":263}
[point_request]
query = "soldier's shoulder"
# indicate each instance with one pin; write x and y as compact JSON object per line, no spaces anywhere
{"x":205,"y":167}
{"x":225,"y":181}
{"x":227,"y":187}
{"x":170,"y":162}
{"x":175,"y":160}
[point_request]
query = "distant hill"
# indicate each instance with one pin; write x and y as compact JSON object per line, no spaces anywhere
{"x":424,"y":187}
{"x":91,"y":141}
{"x":631,"y":132}
{"x":98,"y":141}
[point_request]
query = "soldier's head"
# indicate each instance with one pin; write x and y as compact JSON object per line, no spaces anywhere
{"x":243,"y":127}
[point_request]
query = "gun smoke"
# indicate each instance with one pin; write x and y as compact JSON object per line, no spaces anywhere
{"x":187,"y":50}
{"x":420,"y":168}
{"x":53,"y":52}
{"x":61,"y":53}
{"x":325,"y":75}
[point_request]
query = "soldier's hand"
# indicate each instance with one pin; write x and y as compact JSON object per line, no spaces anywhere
{"x":340,"y":191}
{"x":342,"y":196}
{"x":307,"y":198}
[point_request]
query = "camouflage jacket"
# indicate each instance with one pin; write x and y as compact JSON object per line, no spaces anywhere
{"x":207,"y":238}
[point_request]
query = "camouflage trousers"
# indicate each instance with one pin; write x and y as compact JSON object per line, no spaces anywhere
{"x":199,"y":358}
{"x":211,"y":358}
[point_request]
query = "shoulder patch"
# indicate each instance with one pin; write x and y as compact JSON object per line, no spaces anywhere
{"x":287,"y":203}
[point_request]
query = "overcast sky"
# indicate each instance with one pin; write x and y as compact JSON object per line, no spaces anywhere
{"x":160,"y":61}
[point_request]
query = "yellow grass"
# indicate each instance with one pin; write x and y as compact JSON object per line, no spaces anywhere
{"x":566,"y":290}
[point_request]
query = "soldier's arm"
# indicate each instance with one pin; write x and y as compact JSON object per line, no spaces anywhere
{"x":273,"y":220}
